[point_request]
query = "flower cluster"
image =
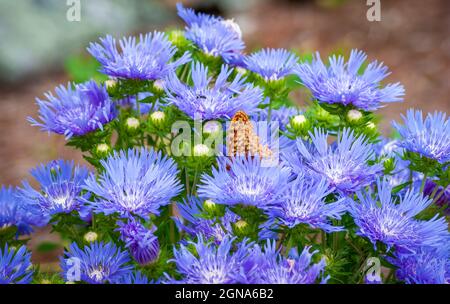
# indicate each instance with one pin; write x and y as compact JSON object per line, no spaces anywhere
{"x":203,"y":169}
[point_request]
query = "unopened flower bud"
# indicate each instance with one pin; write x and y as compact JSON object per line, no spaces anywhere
{"x":132,"y":123}
{"x":177,"y":37}
{"x":90,"y":237}
{"x":371,"y":125}
{"x":102,"y":149}
{"x":201,"y":150}
{"x":45,"y":282}
{"x":241,"y":227}
{"x":299,"y":122}
{"x":159,"y":85}
{"x":241,"y":70}
{"x":354,"y":115}
{"x":209,"y":206}
{"x":157,"y":117}
{"x":110,"y":83}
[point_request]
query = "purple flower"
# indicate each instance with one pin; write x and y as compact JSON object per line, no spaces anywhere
{"x":142,"y":243}
{"x":212,"y":101}
{"x":424,"y":266}
{"x":429,"y":137}
{"x":76,"y":110}
{"x":268,"y":266}
{"x":146,"y":59}
{"x":15,"y":266}
{"x":272,"y":64}
{"x":213,"y":35}
{"x":391,"y":220}
{"x":134,"y":182}
{"x":211,"y":264}
{"x":344,"y":163}
{"x":245,"y":181}
{"x":97,"y":263}
{"x":342,"y":83}
{"x":18,"y":212}
{"x":60,"y":188}
{"x":303,"y":202}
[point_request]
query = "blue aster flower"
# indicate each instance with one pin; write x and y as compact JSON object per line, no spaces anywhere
{"x":272,"y":64}
{"x":135,"y":278}
{"x":76,"y":110}
{"x":213,"y":35}
{"x":343,"y":164}
{"x":342,"y":83}
{"x":429,"y":137}
{"x":392,"y":220}
{"x":303,"y":202}
{"x":134,"y":182}
{"x":15,"y":266}
{"x":424,"y":266}
{"x":149,"y":58}
{"x":17,"y":212}
{"x":268,"y":266}
{"x":192,"y":222}
{"x":97,"y":263}
{"x":210,"y":264}
{"x":60,"y":188}
{"x":244,"y":181}
{"x":221,"y":100}
{"x":140,"y":241}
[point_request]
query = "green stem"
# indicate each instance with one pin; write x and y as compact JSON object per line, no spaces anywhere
{"x":323,"y":240}
{"x":187,"y":181}
{"x":194,"y":183}
{"x":354,"y":246}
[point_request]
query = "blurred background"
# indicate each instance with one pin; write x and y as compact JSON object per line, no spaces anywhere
{"x":40,"y":48}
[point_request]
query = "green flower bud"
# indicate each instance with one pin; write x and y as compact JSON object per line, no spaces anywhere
{"x":157,"y":117}
{"x":132,"y":123}
{"x":102,"y":149}
{"x":177,"y":38}
{"x":209,"y":204}
{"x":201,"y":150}
{"x":90,"y":237}
{"x":300,"y":122}
{"x":241,"y":227}
{"x":354,"y":115}
{"x":110,"y":83}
